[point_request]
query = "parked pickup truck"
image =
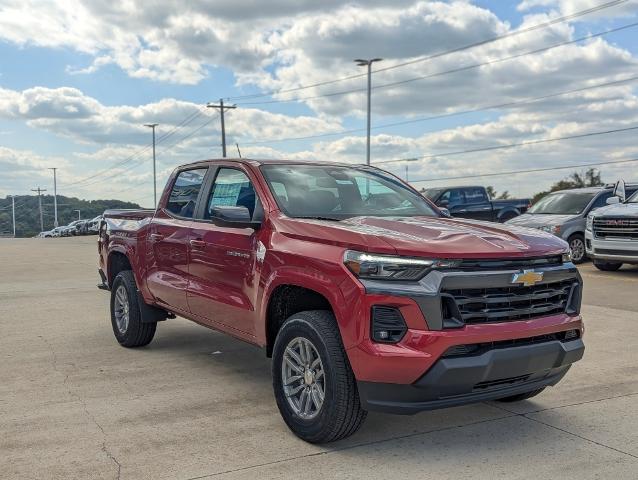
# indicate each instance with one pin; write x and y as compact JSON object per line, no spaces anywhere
{"x":474,"y":202}
{"x":611,"y":235}
{"x":365,"y":295}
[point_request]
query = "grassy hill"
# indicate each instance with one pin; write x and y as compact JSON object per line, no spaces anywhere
{"x":28,"y":215}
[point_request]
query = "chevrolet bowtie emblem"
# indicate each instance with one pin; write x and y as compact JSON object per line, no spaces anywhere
{"x":527,"y":277}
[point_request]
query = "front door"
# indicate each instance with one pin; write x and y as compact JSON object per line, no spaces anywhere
{"x":223,"y":266}
{"x":168,"y":241}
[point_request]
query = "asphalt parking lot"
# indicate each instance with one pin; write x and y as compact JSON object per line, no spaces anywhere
{"x":198,"y":404}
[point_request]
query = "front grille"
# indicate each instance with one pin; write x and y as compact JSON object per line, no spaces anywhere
{"x":612,"y":251}
{"x":616,"y":228}
{"x":502,"y":382}
{"x":472,"y":349}
{"x":510,"y":264}
{"x":504,"y":304}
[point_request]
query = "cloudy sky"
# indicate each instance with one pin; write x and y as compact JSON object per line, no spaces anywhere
{"x":78,"y":79}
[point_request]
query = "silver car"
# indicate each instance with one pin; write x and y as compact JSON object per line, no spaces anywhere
{"x":564,"y":213}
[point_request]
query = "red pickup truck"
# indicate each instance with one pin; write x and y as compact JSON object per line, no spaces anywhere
{"x":365,"y":294}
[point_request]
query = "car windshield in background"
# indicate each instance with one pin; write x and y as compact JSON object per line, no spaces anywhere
{"x":563,"y":203}
{"x":338,"y":192}
{"x":432,"y":193}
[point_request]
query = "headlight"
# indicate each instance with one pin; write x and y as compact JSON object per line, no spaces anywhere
{"x":590,"y":222}
{"x":567,"y":256}
{"x":387,"y":267}
{"x":553,"y":229}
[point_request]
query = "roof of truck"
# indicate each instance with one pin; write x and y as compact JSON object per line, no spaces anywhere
{"x":270,"y":161}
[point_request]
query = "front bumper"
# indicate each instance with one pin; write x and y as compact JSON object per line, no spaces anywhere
{"x":497,"y":373}
{"x":624,"y":251}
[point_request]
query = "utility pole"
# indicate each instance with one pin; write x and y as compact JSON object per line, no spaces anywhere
{"x":55,"y":198}
{"x":39,"y":190}
{"x":76,"y":210}
{"x":152,"y":126}
{"x":406,"y":173}
{"x":222,"y":108}
{"x":13,"y":211}
{"x":368,"y":63}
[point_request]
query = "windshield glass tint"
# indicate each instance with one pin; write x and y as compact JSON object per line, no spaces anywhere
{"x":565,"y":203}
{"x":633,"y":198}
{"x":341,"y":192}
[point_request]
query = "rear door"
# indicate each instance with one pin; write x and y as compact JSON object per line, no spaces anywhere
{"x":168,"y":240}
{"x":223,"y":269}
{"x":477,"y":205}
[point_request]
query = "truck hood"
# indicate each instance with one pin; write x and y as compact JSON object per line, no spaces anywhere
{"x":426,"y":236}
{"x":537,"y":220}
{"x":619,"y":210}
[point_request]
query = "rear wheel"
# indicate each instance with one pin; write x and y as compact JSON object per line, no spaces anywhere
{"x":577,"y":247}
{"x":521,"y":396}
{"x":607,"y":266}
{"x":313,"y":383}
{"x":126,"y":317}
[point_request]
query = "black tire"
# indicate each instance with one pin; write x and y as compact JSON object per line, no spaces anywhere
{"x":577,"y":247}
{"x":340,"y":414}
{"x":135,"y":333}
{"x":607,"y":266}
{"x":521,"y":396}
{"x":507,"y":216}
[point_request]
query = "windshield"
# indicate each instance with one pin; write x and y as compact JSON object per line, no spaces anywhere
{"x":633,"y":198}
{"x":338,"y":192}
{"x":563,"y":203}
{"x":432,"y":193}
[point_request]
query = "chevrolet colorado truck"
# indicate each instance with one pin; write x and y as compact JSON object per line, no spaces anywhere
{"x":365,"y":295}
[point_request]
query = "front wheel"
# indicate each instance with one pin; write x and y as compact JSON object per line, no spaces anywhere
{"x":577,"y":247}
{"x":607,"y":266}
{"x":313,"y":383}
{"x":126,"y":317}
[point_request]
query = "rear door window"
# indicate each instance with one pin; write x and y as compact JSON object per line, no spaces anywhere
{"x":475,"y":195}
{"x":183,"y":198}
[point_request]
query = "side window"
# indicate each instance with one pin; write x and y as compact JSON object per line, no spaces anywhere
{"x":183,"y":197}
{"x":451,"y":198}
{"x":475,"y":195}
{"x":232,"y":188}
{"x":600,"y":200}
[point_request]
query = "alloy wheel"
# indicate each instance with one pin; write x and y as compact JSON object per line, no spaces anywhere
{"x":121,"y":308}
{"x":303,"y":378}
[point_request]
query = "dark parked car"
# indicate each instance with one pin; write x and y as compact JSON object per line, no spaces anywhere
{"x":474,"y":202}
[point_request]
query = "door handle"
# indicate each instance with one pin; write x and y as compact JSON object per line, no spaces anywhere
{"x":156,"y":237}
{"x":199,"y":244}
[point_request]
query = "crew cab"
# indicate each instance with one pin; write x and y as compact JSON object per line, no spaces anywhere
{"x":474,"y":202}
{"x":366,"y":296}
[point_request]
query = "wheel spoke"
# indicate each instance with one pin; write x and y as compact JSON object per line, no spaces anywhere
{"x":293,"y":379}
{"x":318,"y":374}
{"x":293,"y":365}
{"x":317,"y":396}
{"x":292,"y":355}
{"x":294,"y":390}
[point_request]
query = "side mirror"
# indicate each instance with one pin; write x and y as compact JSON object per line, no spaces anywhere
{"x":612,"y":201}
{"x":443,"y":203}
{"x":445,"y":212}
{"x":233,"y":217}
{"x":619,"y":190}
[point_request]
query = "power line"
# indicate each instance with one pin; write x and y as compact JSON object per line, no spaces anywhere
{"x":531,"y":170}
{"x":446,"y":72}
{"x":510,"y":145}
{"x":538,"y":26}
{"x":162,"y":138}
{"x":447,"y":115}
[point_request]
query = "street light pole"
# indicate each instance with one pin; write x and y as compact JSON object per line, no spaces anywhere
{"x":368,"y":63}
{"x":55,"y":198}
{"x":152,"y":126}
{"x":40,"y":191}
{"x":13,"y":212}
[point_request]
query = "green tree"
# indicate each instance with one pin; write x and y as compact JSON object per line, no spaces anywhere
{"x":590,"y":178}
